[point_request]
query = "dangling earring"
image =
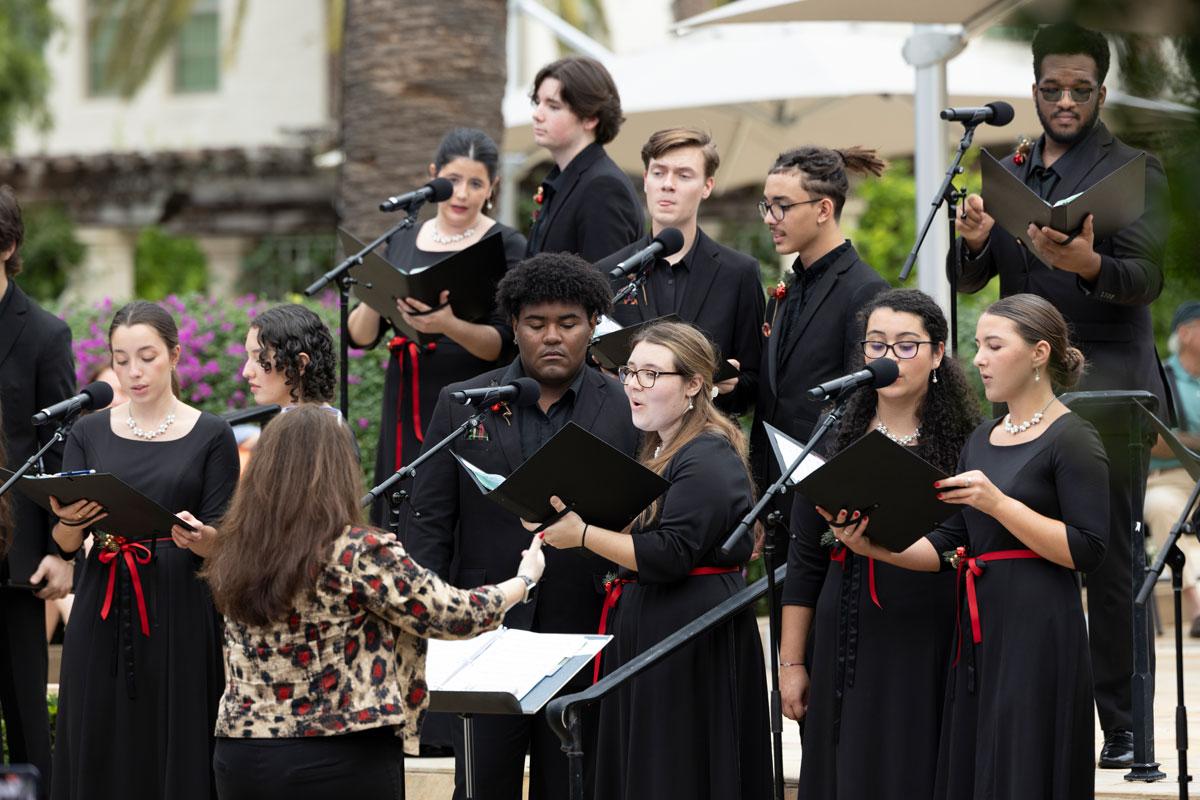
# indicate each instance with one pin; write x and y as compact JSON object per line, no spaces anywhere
{"x":934,"y":374}
{"x":490,"y":204}
{"x":691,"y":404}
{"x":1036,"y":375}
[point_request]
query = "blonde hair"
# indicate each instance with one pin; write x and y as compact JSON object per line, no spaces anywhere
{"x":694,"y":355}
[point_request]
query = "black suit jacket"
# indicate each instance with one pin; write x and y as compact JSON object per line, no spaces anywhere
{"x":826,"y":348}
{"x":467,"y":539}
{"x":36,"y":370}
{"x":724,"y":298}
{"x":1110,"y":321}
{"x":594,"y":212}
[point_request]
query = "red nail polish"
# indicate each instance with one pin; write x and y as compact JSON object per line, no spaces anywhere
{"x":937,"y":484}
{"x":939,"y":497}
{"x":855,"y":515}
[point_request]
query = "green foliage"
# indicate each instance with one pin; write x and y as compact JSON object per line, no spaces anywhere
{"x":25,"y":27}
{"x":49,"y":253}
{"x":164,"y":264}
{"x":212,"y":332}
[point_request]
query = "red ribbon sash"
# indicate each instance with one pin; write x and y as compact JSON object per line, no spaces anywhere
{"x":399,"y":347}
{"x":973,"y":567}
{"x":134,"y":553}
{"x":612,"y":593}
{"x":838,"y":554}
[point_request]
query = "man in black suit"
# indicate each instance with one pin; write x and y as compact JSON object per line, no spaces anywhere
{"x":717,"y":289}
{"x":812,"y":329}
{"x":1104,"y":289}
{"x":586,"y":205}
{"x":36,"y":370}
{"x":554,"y":301}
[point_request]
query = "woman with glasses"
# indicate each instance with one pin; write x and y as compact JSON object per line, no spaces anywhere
{"x":695,"y":725}
{"x":864,"y":645}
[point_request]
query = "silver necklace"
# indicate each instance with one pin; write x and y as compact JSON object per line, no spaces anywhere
{"x":137,"y":431}
{"x":1009,"y":427}
{"x":441,"y":238}
{"x":901,"y":440}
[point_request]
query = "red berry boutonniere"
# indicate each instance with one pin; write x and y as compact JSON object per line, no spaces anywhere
{"x":780,"y":291}
{"x":539,"y":197}
{"x":777,"y":294}
{"x":503,"y":410}
{"x":1024,"y":146}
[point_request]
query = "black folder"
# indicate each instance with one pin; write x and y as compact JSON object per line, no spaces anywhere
{"x":612,"y":349}
{"x":596,"y":480}
{"x":1117,"y":200}
{"x":130,"y":513}
{"x":470,"y":274}
{"x":886,"y":481}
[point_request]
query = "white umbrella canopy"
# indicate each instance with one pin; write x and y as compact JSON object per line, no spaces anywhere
{"x":967,"y":13}
{"x":759,"y":90}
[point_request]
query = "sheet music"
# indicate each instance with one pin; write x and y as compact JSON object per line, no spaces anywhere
{"x":787,"y":450}
{"x":505,"y":660}
{"x":604,"y":326}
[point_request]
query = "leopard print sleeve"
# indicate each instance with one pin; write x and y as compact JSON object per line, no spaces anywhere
{"x":415,"y":599}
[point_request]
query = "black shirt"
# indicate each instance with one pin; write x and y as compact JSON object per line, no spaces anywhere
{"x":537,"y":426}
{"x":1043,"y":179}
{"x":4,"y":301}
{"x":668,"y":283}
{"x":803,"y":281}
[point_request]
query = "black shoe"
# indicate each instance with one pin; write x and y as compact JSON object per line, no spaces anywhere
{"x":1117,"y":752}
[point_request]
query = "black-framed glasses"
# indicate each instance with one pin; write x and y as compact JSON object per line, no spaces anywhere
{"x":645,"y":377}
{"x":873,"y":348}
{"x":1052,"y":94}
{"x":778,"y":210}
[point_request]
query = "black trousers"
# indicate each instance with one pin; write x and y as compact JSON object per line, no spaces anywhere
{"x":23,"y":665}
{"x":367,"y":764}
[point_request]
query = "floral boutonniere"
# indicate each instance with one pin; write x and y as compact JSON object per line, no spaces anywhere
{"x":539,"y":198}
{"x":608,"y":580}
{"x":780,"y":291}
{"x":777,"y":294}
{"x":503,"y":410}
{"x":1024,"y":147}
{"x":954,"y":557}
{"x":828,"y":540}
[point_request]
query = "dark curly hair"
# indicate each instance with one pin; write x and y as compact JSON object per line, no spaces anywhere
{"x":1069,"y":39}
{"x":950,"y":410}
{"x":553,"y":278}
{"x":825,"y":172}
{"x":284,"y":332}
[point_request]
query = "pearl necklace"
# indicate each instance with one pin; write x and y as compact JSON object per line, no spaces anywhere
{"x":134,"y":428}
{"x":901,"y":440}
{"x":1027,"y":424}
{"x":453,"y":238}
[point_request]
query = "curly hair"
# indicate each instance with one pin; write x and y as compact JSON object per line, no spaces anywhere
{"x":284,"y":332}
{"x":949,"y":411}
{"x":1069,"y":39}
{"x":553,"y":278}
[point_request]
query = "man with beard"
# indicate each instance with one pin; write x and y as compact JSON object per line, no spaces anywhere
{"x":1104,"y":288}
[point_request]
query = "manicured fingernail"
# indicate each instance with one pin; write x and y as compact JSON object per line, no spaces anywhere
{"x":542,"y":535}
{"x":937,"y":484}
{"x":939,"y":497}
{"x":855,"y":515}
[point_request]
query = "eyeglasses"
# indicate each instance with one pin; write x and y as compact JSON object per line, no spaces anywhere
{"x":906,"y":349}
{"x":777,"y":210}
{"x":1052,"y":94}
{"x":645,"y":377}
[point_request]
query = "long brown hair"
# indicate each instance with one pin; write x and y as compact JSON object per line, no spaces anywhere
{"x":298,"y":493}
{"x":694,"y":355}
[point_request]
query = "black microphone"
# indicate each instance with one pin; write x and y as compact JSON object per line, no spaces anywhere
{"x":998,"y":113}
{"x":437,"y":190}
{"x":93,"y":396}
{"x":252,"y":414}
{"x":667,"y":243}
{"x":879,"y":373}
{"x":521,"y":392}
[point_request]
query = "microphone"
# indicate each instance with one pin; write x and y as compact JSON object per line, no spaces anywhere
{"x":667,"y":243}
{"x":437,"y":190}
{"x":879,"y":373}
{"x":252,"y":414}
{"x":998,"y":113}
{"x":521,"y":392}
{"x":93,"y":396}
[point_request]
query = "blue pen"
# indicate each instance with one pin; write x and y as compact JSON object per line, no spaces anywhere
{"x":74,"y":472}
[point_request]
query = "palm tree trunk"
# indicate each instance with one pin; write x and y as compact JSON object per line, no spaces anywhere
{"x":412,"y":70}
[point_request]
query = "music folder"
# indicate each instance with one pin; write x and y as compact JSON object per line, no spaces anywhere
{"x":611,"y":348}
{"x":470,"y":274}
{"x":596,"y":480}
{"x":130,"y":513}
{"x":1116,"y":201}
{"x":887,"y":482}
{"x":787,"y":450}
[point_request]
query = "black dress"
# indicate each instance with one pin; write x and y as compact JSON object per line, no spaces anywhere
{"x":1018,"y":720}
{"x":877,"y":658}
{"x":136,"y":712}
{"x":694,"y":726}
{"x":425,"y":368}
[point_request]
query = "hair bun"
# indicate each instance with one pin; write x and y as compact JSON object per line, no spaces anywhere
{"x":1072,"y":366}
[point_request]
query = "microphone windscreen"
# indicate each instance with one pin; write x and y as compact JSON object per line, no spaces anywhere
{"x":1002,"y":113}
{"x":443,"y":188}
{"x":101,"y":394}
{"x":885,"y":371}
{"x":528,"y":392}
{"x":672,"y":241}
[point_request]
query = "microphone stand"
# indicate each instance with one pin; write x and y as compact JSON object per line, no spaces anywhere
{"x":951,"y":196}
{"x":634,"y":284}
{"x":773,"y":520}
{"x":60,"y":435}
{"x":341,"y":274}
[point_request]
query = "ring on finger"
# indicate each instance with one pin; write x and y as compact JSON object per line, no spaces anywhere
{"x":966,"y":481}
